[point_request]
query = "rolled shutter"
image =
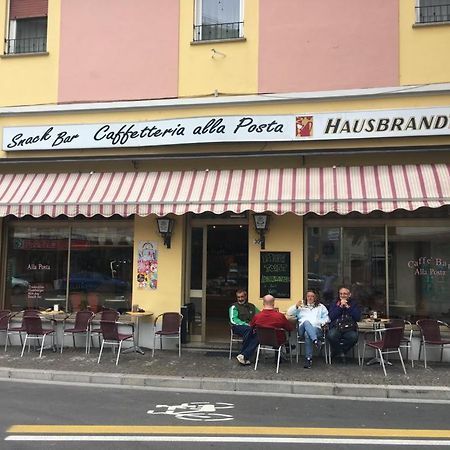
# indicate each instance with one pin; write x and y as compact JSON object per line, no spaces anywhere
{"x":23,"y":9}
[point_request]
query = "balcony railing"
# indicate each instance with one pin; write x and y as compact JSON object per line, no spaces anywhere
{"x":432,"y":14}
{"x":218,"y":31}
{"x":25,"y":45}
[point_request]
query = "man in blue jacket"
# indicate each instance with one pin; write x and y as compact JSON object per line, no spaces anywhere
{"x":241,"y":313}
{"x":342,"y":341}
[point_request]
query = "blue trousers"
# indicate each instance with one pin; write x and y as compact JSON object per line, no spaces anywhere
{"x":310,"y":333}
{"x":250,"y":340}
{"x":342,"y":342}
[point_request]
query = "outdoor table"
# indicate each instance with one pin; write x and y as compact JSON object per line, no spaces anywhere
{"x":54,"y":317}
{"x":136,"y":316}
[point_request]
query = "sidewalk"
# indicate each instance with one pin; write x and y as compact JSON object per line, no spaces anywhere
{"x":212,"y":370}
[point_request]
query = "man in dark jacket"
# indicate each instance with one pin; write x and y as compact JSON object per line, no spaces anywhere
{"x":342,"y":342}
{"x":240,"y":314}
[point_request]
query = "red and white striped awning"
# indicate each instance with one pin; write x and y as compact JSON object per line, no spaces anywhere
{"x":299,"y":191}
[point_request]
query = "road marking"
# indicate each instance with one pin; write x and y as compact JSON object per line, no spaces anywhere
{"x":223,"y":430}
{"x":235,"y":439}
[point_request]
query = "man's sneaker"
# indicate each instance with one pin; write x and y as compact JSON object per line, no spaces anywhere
{"x":241,"y":359}
{"x":308,"y":363}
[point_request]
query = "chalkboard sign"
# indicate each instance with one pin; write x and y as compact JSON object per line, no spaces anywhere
{"x":275,"y":269}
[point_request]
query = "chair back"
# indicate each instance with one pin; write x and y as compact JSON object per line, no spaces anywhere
{"x":429,"y":328}
{"x":392,"y":338}
{"x":395,"y":323}
{"x":33,"y":325}
{"x":110,"y":330}
{"x":83,"y":319}
{"x":29,"y":313}
{"x":171,"y":322}
{"x":5,"y":314}
{"x":267,"y":336}
{"x":110,"y":315}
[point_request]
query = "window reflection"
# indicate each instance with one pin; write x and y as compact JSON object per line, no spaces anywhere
{"x":100,"y":266}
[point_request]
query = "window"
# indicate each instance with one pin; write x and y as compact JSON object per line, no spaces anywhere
{"x":431,"y":11}
{"x":414,"y":263}
{"x":97,"y":255}
{"x":27,"y":27}
{"x":218,"y":20}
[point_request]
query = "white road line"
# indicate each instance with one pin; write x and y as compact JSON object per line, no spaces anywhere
{"x":228,"y":439}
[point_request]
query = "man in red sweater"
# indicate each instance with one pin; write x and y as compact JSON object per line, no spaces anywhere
{"x":267,"y":318}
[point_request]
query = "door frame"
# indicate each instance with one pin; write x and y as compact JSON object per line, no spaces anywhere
{"x":196,"y":222}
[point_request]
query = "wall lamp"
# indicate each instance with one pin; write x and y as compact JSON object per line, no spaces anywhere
{"x":165,"y":228}
{"x":261,"y":226}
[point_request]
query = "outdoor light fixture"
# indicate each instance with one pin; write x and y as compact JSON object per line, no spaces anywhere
{"x":165,"y":228}
{"x":261,"y":226}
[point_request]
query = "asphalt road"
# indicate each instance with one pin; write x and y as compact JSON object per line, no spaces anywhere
{"x":41,"y":416}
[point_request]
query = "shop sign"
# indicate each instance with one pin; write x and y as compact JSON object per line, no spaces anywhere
{"x":300,"y":127}
{"x":429,"y":266}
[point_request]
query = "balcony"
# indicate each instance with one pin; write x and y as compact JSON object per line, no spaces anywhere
{"x":218,"y":31}
{"x":433,"y":14}
{"x":26,"y":45}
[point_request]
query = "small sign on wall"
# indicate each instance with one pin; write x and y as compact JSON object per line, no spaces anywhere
{"x":147,"y":265}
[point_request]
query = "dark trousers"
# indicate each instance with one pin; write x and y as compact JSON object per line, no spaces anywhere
{"x":341,"y":342}
{"x":250,"y":341}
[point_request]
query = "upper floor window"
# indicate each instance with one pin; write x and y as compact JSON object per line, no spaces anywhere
{"x":431,"y":11}
{"x":218,"y":20}
{"x":27,"y":27}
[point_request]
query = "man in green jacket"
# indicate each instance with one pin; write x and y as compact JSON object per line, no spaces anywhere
{"x":241,"y":313}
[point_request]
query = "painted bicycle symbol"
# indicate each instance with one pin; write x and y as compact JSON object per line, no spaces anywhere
{"x":199,"y":411}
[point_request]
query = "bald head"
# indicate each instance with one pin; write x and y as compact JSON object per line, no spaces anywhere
{"x":268,"y":301}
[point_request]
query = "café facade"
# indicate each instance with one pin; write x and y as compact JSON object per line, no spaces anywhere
{"x":174,"y":204}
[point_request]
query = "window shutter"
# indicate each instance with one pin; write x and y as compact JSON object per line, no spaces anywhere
{"x":23,"y":9}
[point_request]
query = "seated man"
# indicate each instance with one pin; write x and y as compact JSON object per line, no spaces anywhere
{"x":241,"y":313}
{"x":268,"y":318}
{"x":342,"y":341}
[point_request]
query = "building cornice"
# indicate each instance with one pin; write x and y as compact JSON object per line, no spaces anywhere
{"x":232,"y":100}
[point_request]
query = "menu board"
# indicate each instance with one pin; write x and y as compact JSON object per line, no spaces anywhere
{"x":275,"y":270}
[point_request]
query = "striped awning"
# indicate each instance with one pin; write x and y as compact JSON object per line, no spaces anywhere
{"x":302,"y":190}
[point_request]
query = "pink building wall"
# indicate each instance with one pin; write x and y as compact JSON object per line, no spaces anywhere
{"x":118,"y":50}
{"x":308,"y":45}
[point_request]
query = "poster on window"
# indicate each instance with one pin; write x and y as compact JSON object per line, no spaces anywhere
{"x":147,"y":264}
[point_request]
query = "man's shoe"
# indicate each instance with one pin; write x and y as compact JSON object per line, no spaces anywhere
{"x":241,"y":359}
{"x":318,"y":344}
{"x":308,"y":363}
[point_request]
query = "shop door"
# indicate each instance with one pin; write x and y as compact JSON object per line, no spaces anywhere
{"x":226,"y":271}
{"x":218,"y":266}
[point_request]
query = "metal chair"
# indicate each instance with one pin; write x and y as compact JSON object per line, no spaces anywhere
{"x":390,"y":343}
{"x":110,"y":315}
{"x":34,"y":330}
{"x":5,"y":314}
{"x":82,"y":326}
{"x":170,"y":328}
{"x":268,"y":340}
{"x":406,"y":341}
{"x":234,"y":338}
{"x":324,"y":345}
{"x":20,"y":328}
{"x":431,"y":335}
{"x":111,"y":336}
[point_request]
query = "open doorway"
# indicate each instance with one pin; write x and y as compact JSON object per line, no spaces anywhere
{"x":226,"y":271}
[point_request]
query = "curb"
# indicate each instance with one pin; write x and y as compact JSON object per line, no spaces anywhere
{"x":435,"y":393}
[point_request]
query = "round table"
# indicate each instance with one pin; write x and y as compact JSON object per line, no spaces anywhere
{"x":137,"y":318}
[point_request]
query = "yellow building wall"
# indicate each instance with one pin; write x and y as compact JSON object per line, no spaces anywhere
{"x":168,"y":295}
{"x":424,"y":49}
{"x":31,"y":79}
{"x":285,"y":235}
{"x":232,"y":71}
